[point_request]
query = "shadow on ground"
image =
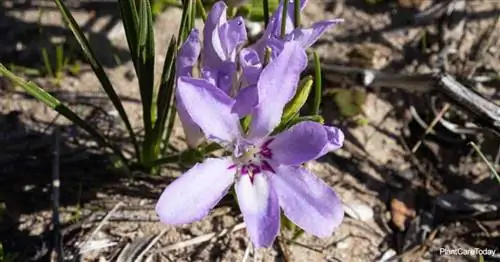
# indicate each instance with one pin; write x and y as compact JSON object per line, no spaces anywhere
{"x":22,"y":42}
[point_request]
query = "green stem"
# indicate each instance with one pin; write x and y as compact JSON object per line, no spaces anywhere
{"x":317,"y":84}
{"x":265,"y":6}
{"x":201,"y":10}
{"x":283,"y":18}
{"x":296,"y":21}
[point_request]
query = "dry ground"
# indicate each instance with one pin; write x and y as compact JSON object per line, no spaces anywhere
{"x":440,"y":196}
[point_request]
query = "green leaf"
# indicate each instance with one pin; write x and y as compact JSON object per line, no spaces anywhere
{"x":296,"y":11}
{"x":284,"y":19}
{"x":300,"y":98}
{"x":145,"y":63}
{"x":201,"y":10}
{"x":165,"y":93}
{"x":130,"y":18}
{"x":317,"y":84}
{"x":98,"y":70}
{"x":254,"y":10}
{"x":52,"y":102}
{"x":185,"y":27}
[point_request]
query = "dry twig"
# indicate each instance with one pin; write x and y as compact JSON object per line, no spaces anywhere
{"x":201,"y":239}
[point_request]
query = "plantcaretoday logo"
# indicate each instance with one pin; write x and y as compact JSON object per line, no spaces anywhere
{"x":467,"y":251}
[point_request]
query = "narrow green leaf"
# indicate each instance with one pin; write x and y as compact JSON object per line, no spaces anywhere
{"x":145,"y":63}
{"x":52,"y":102}
{"x":283,"y":18}
{"x":165,"y":93}
{"x":300,"y":98}
{"x":201,"y":10}
{"x":130,"y":18}
{"x":184,"y":27}
{"x":145,"y":74}
{"x":317,"y":84}
{"x":193,"y":16}
{"x":98,"y":70}
{"x":296,"y":10}
{"x":59,"y":60}
{"x":265,"y":9}
{"x":46,"y":62}
{"x":167,"y":82}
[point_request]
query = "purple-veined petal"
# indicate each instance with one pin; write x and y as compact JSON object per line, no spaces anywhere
{"x":215,"y":18}
{"x":191,"y":196}
{"x":335,"y":138}
{"x":232,"y":35}
{"x":223,"y":77}
{"x":188,"y":54}
{"x":250,"y":66}
{"x":276,"y":86}
{"x":194,"y":135}
{"x":210,"y":109}
{"x":307,"y":201}
{"x":303,"y":142}
{"x":260,"y":209}
{"x":308,"y":36}
{"x":246,"y":100}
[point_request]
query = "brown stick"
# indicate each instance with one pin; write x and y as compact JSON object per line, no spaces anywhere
{"x":484,"y":111}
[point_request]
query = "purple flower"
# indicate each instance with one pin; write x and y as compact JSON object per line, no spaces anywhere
{"x":222,"y":39}
{"x":305,"y":36}
{"x":265,"y":170}
{"x":221,"y":42}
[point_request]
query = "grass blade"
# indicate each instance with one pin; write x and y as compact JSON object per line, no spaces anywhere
{"x":317,"y":84}
{"x":52,"y":102}
{"x":296,"y":10}
{"x":201,"y":10}
{"x":483,"y":157}
{"x":283,"y":18}
{"x":166,"y":89}
{"x":46,"y":62}
{"x":145,"y":63}
{"x":130,"y":18}
{"x":184,"y":28}
{"x":265,"y":7}
{"x":98,"y":70}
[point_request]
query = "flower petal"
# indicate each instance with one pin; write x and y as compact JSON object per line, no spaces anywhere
{"x":260,"y":209}
{"x":307,"y":201}
{"x":222,"y":76}
{"x":194,"y":135}
{"x":188,"y":54}
{"x":191,"y":196}
{"x":302,"y":142}
{"x":308,"y":36}
{"x":276,"y":86}
{"x":232,"y":35}
{"x":246,"y":100}
{"x":216,"y":17}
{"x":250,"y":65}
{"x":335,"y":138}
{"x":210,"y":109}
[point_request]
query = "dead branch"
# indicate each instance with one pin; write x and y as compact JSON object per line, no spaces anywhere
{"x":485,"y":112}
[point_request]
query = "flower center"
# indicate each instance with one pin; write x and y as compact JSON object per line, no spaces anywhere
{"x":253,"y":160}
